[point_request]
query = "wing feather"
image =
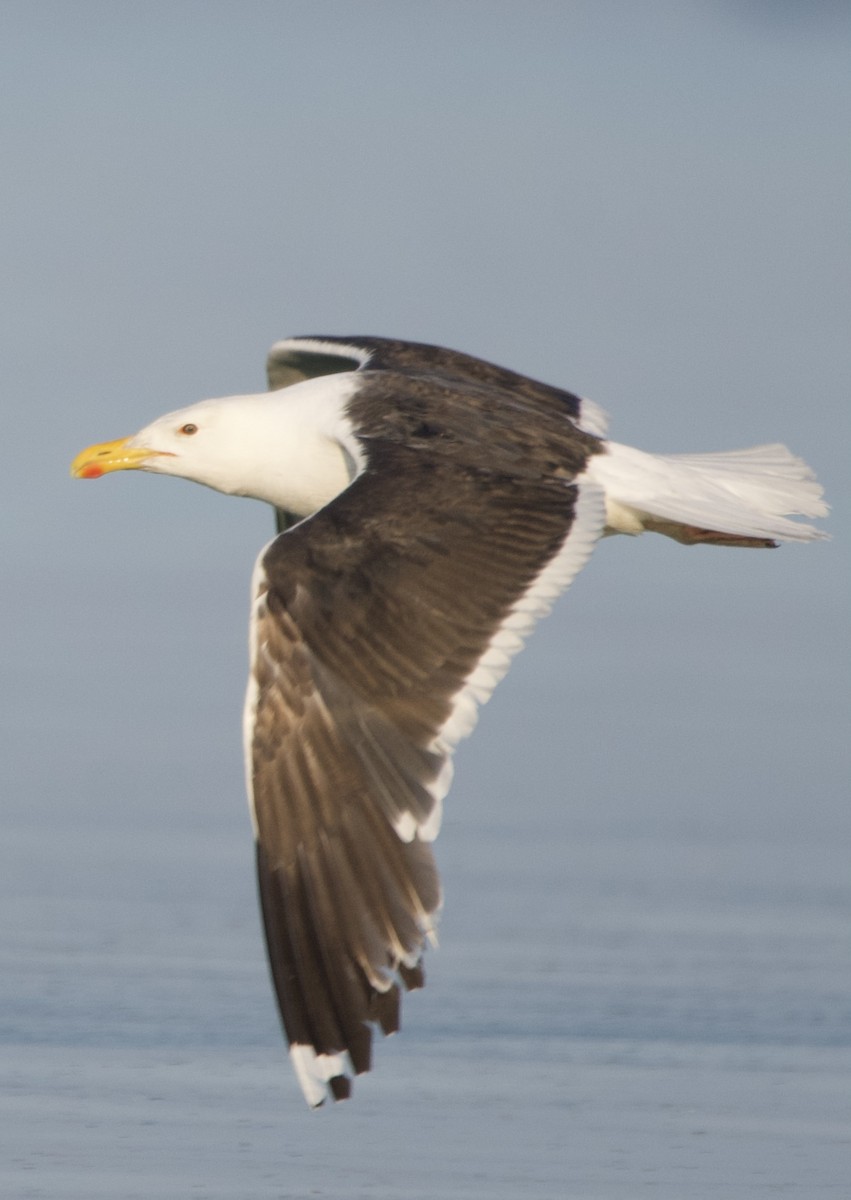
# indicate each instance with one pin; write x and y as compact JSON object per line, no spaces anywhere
{"x":372,"y":619}
{"x":294,"y":359}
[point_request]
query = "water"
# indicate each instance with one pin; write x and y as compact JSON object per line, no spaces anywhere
{"x":608,"y":1016}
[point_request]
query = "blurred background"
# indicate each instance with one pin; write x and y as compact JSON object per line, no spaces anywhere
{"x":647,"y":203}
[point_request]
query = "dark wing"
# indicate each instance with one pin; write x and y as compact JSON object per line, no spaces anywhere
{"x":296,"y":359}
{"x":380,"y":624}
{"x":299,"y":358}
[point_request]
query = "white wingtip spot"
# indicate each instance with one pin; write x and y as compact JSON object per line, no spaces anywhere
{"x":314,"y":1071}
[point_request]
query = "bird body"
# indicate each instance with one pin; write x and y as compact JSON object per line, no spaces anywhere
{"x":436,"y":506}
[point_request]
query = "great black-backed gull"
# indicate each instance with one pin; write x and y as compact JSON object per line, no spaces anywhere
{"x":433,"y":507}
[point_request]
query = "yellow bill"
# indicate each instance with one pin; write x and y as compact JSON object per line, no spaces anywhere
{"x":97,"y":460}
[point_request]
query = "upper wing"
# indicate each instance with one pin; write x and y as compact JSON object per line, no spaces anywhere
{"x":380,"y":624}
{"x":299,"y":358}
{"x":296,"y":359}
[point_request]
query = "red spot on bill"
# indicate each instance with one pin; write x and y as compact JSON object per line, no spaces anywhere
{"x":92,"y":471}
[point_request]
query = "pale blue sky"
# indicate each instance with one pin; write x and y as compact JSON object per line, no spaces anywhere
{"x":644,"y":202}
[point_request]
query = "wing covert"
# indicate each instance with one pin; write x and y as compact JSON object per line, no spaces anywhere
{"x":294,"y":359}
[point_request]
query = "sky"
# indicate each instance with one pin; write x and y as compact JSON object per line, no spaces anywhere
{"x":645,"y":202}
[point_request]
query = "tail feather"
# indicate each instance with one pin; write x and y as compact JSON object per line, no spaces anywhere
{"x":742,"y":497}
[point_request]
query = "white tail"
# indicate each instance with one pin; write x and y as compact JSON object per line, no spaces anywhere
{"x":741,"y":497}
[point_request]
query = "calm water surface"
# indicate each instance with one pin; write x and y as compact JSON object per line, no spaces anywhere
{"x":607,"y":1017}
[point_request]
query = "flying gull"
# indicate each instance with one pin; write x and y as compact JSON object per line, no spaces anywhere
{"x":431,"y":508}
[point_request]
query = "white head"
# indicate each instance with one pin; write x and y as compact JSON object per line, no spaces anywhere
{"x":294,"y":448}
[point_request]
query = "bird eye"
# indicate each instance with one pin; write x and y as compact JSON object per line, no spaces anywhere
{"x":188,"y":429}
